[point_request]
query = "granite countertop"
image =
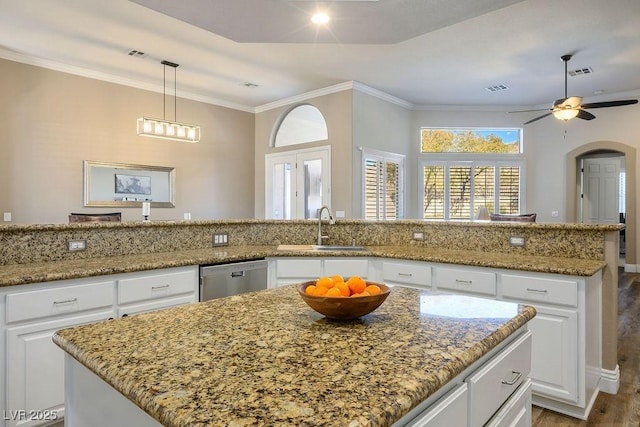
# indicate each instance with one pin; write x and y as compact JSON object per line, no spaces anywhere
{"x":19,"y":274}
{"x":266,"y":358}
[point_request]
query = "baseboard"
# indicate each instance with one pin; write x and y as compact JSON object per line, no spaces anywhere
{"x":631,"y":268}
{"x":610,"y":380}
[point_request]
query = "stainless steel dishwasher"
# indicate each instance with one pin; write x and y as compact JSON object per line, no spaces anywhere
{"x":217,"y":281}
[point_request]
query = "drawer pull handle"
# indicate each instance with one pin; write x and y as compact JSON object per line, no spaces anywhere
{"x":516,"y":377}
{"x":156,"y":288}
{"x":66,"y":301}
{"x":537,"y":291}
{"x":405,"y":274}
{"x":464,"y":282}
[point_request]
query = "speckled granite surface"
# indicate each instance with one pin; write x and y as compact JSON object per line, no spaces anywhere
{"x":19,"y":274}
{"x":267,"y":359}
{"x":42,"y":243}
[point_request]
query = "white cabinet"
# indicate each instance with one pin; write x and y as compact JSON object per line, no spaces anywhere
{"x":555,"y":362}
{"x":466,"y":280}
{"x":491,"y":385}
{"x":286,"y":271}
{"x":451,"y":410}
{"x":517,"y":411}
{"x":35,"y":374}
{"x":33,"y":363}
{"x":406,"y":273}
{"x":157,"y":289}
{"x":33,"y":366}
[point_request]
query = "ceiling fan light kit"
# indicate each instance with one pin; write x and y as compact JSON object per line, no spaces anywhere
{"x":571,"y":106}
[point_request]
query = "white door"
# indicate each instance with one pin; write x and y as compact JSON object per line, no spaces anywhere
{"x":297,"y":183}
{"x":600,"y":190}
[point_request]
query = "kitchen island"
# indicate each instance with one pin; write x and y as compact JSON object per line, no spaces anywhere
{"x":266,"y":358}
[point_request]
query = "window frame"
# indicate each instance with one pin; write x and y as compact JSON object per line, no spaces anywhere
{"x":385,"y":157}
{"x":447,"y":160}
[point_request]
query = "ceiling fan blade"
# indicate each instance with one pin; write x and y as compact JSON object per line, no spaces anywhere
{"x":537,"y":118}
{"x":585,"y":115}
{"x":528,"y":111}
{"x":610,"y":103}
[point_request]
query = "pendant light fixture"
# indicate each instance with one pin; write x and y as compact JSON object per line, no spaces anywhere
{"x":166,"y":129}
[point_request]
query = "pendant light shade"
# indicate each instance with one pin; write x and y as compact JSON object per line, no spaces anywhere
{"x":166,"y":129}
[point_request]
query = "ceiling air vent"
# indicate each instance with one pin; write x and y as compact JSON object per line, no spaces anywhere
{"x":496,"y":88}
{"x":580,"y":71}
{"x":136,"y":53}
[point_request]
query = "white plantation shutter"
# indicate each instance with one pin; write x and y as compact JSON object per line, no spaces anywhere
{"x":457,"y":189}
{"x":383,"y":185}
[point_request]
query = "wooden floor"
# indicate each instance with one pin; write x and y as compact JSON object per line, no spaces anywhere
{"x":622,"y":409}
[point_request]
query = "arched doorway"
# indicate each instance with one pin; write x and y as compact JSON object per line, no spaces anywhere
{"x":573,"y":201}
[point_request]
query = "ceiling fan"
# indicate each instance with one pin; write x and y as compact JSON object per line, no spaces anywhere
{"x":570,"y":106}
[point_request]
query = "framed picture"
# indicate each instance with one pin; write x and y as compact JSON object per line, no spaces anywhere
{"x":132,"y":184}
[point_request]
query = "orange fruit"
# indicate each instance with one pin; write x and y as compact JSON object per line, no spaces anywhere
{"x":337,"y":279}
{"x":311,"y":290}
{"x":324,"y":282}
{"x":373,"y":290}
{"x":334,"y":292}
{"x":356,"y":284}
{"x":320,"y":291}
{"x":344,"y":289}
{"x":355,"y":295}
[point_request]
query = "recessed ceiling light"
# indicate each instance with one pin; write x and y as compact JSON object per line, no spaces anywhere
{"x":320,"y":18}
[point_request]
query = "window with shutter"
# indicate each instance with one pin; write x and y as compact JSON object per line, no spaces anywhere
{"x":383,"y":185}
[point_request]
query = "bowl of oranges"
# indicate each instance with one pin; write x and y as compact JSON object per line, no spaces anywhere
{"x":343,"y":298}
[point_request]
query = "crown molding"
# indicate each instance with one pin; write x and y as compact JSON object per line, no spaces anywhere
{"x":111,"y":78}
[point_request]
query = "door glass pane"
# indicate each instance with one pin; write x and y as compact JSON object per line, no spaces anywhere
{"x":433,"y":192}
{"x":281,"y":197}
{"x":312,"y":170}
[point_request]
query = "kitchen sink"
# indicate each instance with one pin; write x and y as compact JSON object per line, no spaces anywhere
{"x":338,"y":248}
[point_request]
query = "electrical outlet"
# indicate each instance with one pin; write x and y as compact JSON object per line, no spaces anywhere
{"x":76,"y":245}
{"x":418,"y":235}
{"x":7,"y":216}
{"x":554,"y":214}
{"x":220,"y":239}
{"x":517,"y":241}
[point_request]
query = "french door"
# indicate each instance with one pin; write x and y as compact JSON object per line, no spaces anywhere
{"x":297,"y":183}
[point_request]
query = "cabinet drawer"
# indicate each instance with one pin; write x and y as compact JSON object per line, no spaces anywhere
{"x":540,"y":289}
{"x":463,"y":280}
{"x":451,"y":410}
{"x":517,"y":411}
{"x":346,"y":267}
{"x":160,"y":284}
{"x":303,"y":268}
{"x":411,"y":274}
{"x":491,"y":386}
{"x":63,"y":300}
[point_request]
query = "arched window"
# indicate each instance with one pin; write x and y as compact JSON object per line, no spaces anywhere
{"x":302,"y":124}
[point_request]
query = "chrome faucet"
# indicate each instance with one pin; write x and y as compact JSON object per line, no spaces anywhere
{"x":331,"y":221}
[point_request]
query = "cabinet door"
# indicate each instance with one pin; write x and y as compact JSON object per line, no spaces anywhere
{"x":346,"y":267}
{"x":296,"y":270}
{"x":554,"y":356}
{"x":35,"y":369}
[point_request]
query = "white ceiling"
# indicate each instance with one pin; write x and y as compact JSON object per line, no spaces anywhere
{"x":425,"y":52}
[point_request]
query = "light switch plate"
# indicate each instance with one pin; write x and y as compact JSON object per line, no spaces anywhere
{"x":7,"y":217}
{"x":418,"y":235}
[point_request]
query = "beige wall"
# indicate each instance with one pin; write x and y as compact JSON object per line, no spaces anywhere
{"x":337,"y":109}
{"x":51,"y":121}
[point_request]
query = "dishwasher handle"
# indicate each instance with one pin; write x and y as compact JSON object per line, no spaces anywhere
{"x":237,"y":273}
